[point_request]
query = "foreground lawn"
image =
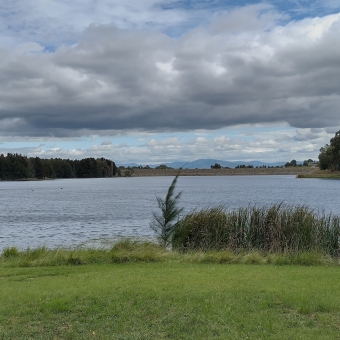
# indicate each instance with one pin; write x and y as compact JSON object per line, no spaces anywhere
{"x":170,"y":301}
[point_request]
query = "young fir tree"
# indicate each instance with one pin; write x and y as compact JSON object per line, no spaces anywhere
{"x":164,"y":223}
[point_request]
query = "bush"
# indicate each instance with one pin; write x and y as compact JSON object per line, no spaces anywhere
{"x":274,"y":229}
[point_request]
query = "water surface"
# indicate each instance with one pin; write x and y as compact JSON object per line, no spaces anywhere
{"x":73,"y":211}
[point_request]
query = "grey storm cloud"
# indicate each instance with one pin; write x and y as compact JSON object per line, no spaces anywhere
{"x":211,"y":77}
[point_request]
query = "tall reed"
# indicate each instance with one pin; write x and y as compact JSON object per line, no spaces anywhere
{"x":277,"y":228}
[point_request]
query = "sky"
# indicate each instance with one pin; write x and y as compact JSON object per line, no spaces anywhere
{"x":157,"y":81}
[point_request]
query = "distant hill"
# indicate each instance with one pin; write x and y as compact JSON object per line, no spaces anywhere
{"x":206,"y":164}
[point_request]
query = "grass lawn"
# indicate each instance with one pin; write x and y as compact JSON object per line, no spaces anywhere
{"x":170,"y":301}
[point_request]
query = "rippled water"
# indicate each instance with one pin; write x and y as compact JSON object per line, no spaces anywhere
{"x":73,"y":211}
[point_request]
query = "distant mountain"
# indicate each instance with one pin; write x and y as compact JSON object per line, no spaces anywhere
{"x":118,"y":164}
{"x":206,"y":164}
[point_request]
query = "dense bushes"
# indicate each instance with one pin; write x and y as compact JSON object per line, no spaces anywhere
{"x":277,"y":228}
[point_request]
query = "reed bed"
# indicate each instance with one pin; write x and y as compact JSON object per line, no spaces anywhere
{"x":275,"y":229}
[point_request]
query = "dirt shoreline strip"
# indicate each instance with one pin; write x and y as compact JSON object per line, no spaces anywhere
{"x":219,"y":172}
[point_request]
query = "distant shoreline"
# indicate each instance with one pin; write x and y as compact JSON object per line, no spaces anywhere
{"x":304,"y":170}
{"x":300,"y":172}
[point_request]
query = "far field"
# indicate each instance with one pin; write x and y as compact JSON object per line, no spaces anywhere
{"x":170,"y":301}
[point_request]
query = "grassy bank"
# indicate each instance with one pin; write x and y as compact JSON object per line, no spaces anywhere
{"x":328,"y":174}
{"x":170,"y":301}
{"x":128,"y":251}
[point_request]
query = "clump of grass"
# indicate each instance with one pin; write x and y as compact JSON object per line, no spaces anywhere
{"x":274,"y":229}
{"x":132,"y":251}
{"x":74,"y":260}
{"x":125,"y":250}
{"x":10,"y":252}
{"x":34,"y":254}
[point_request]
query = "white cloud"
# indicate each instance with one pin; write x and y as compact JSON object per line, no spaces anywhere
{"x":121,"y":80}
{"x":268,"y":143}
{"x":114,"y":70}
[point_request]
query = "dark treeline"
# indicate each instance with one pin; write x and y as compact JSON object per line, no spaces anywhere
{"x":15,"y":167}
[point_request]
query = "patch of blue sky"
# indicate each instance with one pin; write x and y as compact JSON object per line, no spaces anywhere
{"x":244,"y":132}
{"x":290,"y":9}
{"x":214,"y":5}
{"x":43,"y":145}
{"x":300,"y":9}
{"x":50,"y":48}
{"x":295,"y":9}
{"x":177,"y":31}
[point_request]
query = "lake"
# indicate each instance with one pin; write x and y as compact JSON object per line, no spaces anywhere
{"x":71,"y":212}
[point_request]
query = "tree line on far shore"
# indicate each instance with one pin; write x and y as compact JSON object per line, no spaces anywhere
{"x":293,"y":162}
{"x":18,"y":167}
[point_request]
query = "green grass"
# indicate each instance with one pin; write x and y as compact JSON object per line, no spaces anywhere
{"x":327,"y":174}
{"x":170,"y":301}
{"x":130,"y":251}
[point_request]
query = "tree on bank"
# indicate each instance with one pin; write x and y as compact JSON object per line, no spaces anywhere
{"x":216,"y":166}
{"x":291,"y":163}
{"x":329,"y":157}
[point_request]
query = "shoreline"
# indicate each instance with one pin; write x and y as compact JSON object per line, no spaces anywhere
{"x":325,"y":174}
{"x":219,"y":172}
{"x":300,"y":172}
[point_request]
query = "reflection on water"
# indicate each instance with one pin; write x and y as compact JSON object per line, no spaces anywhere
{"x":73,"y":211}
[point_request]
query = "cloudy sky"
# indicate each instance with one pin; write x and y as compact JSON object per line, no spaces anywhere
{"x":162,"y":80}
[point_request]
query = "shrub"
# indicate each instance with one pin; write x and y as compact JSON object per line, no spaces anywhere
{"x":274,"y":229}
